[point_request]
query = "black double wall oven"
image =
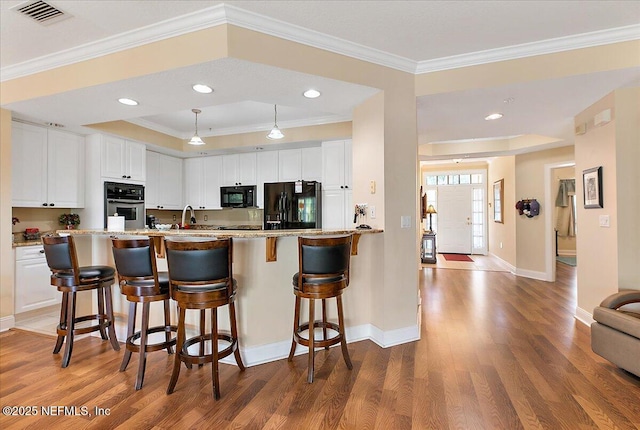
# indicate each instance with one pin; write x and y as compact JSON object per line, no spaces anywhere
{"x":125,"y":200}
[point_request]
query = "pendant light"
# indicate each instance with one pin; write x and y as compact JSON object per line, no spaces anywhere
{"x":275,"y":132}
{"x":195,"y":140}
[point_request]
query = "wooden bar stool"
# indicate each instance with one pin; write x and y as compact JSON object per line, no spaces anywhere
{"x":69,"y":278}
{"x":201,"y":277}
{"x":323,"y":273}
{"x":141,"y":282}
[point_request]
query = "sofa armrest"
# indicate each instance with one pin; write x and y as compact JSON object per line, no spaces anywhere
{"x":624,"y":297}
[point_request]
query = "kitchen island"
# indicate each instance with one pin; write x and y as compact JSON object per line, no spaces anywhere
{"x":265,"y":301}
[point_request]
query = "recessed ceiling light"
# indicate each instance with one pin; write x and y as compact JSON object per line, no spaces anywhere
{"x":202,"y":88}
{"x":493,"y":116}
{"x":311,"y":94}
{"x":128,"y":102}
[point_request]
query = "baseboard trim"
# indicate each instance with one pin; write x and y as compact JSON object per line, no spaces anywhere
{"x":567,"y":252}
{"x":540,"y":276}
{"x":7,"y":322}
{"x":584,"y":317}
{"x":255,"y":355}
{"x":510,"y":266}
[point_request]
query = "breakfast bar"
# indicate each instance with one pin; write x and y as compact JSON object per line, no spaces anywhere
{"x":263,"y":263}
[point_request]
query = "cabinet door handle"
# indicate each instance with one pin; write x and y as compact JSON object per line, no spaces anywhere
{"x":51,"y":204}
{"x":346,"y":186}
{"x":124,"y":176}
{"x":45,"y":204}
{"x":41,"y":251}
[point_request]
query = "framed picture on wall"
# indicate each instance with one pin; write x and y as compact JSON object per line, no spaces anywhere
{"x":498,"y":198}
{"x":592,"y":187}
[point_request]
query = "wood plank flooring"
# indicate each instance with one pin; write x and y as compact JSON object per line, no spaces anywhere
{"x":497,"y":352}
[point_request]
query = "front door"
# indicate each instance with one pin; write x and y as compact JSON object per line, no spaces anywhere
{"x":454,"y":219}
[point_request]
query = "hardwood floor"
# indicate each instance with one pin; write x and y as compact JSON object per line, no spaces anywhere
{"x":497,"y":352}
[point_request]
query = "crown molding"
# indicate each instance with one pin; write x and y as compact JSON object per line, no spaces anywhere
{"x":549,"y":46}
{"x":184,"y":24}
{"x":265,"y":127}
{"x":284,"y":30}
{"x":226,"y":14}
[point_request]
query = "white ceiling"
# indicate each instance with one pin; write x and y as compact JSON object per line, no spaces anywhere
{"x":415,"y":36}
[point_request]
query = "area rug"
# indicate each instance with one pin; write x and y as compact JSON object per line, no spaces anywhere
{"x":571,"y":261}
{"x":457,"y":257}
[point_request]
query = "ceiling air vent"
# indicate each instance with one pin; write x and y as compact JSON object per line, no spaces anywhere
{"x":41,"y":12}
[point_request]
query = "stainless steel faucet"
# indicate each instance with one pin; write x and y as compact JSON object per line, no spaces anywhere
{"x":184,"y":213}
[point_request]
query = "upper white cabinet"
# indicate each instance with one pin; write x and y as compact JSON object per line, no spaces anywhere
{"x":164,"y":182}
{"x":337,"y":193}
{"x":47,"y":167}
{"x":239,"y":169}
{"x":289,"y":165}
{"x":203,"y":178}
{"x":267,"y":171}
{"x":123,"y":159}
{"x":300,"y":164}
{"x":311,"y":164}
{"x":336,"y":165}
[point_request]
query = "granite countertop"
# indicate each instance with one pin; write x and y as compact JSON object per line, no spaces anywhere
{"x":221,"y":233}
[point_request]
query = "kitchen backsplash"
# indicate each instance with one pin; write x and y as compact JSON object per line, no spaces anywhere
{"x":40,"y":218}
{"x":214,"y":217}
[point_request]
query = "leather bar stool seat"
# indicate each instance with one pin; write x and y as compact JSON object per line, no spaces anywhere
{"x":141,"y":282}
{"x":70,"y":278}
{"x":201,"y":278}
{"x":323,"y":273}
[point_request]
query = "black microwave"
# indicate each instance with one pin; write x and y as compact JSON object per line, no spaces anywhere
{"x":240,"y":196}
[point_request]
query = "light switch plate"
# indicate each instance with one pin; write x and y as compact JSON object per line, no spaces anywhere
{"x":405,"y":221}
{"x":372,"y":212}
{"x":604,"y":221}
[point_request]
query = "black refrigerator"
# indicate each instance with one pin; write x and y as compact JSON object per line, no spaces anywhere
{"x":292,"y":205}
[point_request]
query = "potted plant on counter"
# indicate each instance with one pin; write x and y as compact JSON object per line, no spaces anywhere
{"x":70,"y":221}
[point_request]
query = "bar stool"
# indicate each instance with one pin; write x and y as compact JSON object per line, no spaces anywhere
{"x":323,"y":273}
{"x":69,"y":278}
{"x":141,"y":282}
{"x":201,"y":277}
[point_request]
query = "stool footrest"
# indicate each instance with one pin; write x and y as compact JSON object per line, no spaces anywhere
{"x":318,"y":343}
{"x":151,"y":347}
{"x":207,"y":358}
{"x":62,"y":331}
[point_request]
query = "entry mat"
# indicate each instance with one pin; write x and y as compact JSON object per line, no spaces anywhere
{"x":457,"y":257}
{"x":571,"y":261}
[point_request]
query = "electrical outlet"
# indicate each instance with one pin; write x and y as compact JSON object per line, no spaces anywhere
{"x":372,"y":187}
{"x":372,"y":212}
{"x":500,"y":245}
{"x":174,"y":217}
{"x":206,"y":218}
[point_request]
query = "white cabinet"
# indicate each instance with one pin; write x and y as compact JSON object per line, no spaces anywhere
{"x":239,"y":169}
{"x":337,"y":209}
{"x":289,"y":165}
{"x":300,"y":164}
{"x":203,"y":178}
{"x":123,"y":159}
{"x":266,"y":172}
{"x":337,"y":195}
{"x":164,"y":182}
{"x":33,"y":287}
{"x":48,"y":167}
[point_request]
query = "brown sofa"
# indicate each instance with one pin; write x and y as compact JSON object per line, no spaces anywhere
{"x":615,"y":334}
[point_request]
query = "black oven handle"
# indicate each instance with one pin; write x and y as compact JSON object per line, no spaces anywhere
{"x":126,"y":202}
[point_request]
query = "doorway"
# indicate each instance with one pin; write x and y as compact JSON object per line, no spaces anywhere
{"x":459,"y":197}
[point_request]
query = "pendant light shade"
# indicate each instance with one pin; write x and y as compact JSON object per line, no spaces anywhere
{"x":195,"y":140}
{"x":275,"y":132}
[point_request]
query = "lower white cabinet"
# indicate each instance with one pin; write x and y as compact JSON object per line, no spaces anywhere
{"x":33,"y":287}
